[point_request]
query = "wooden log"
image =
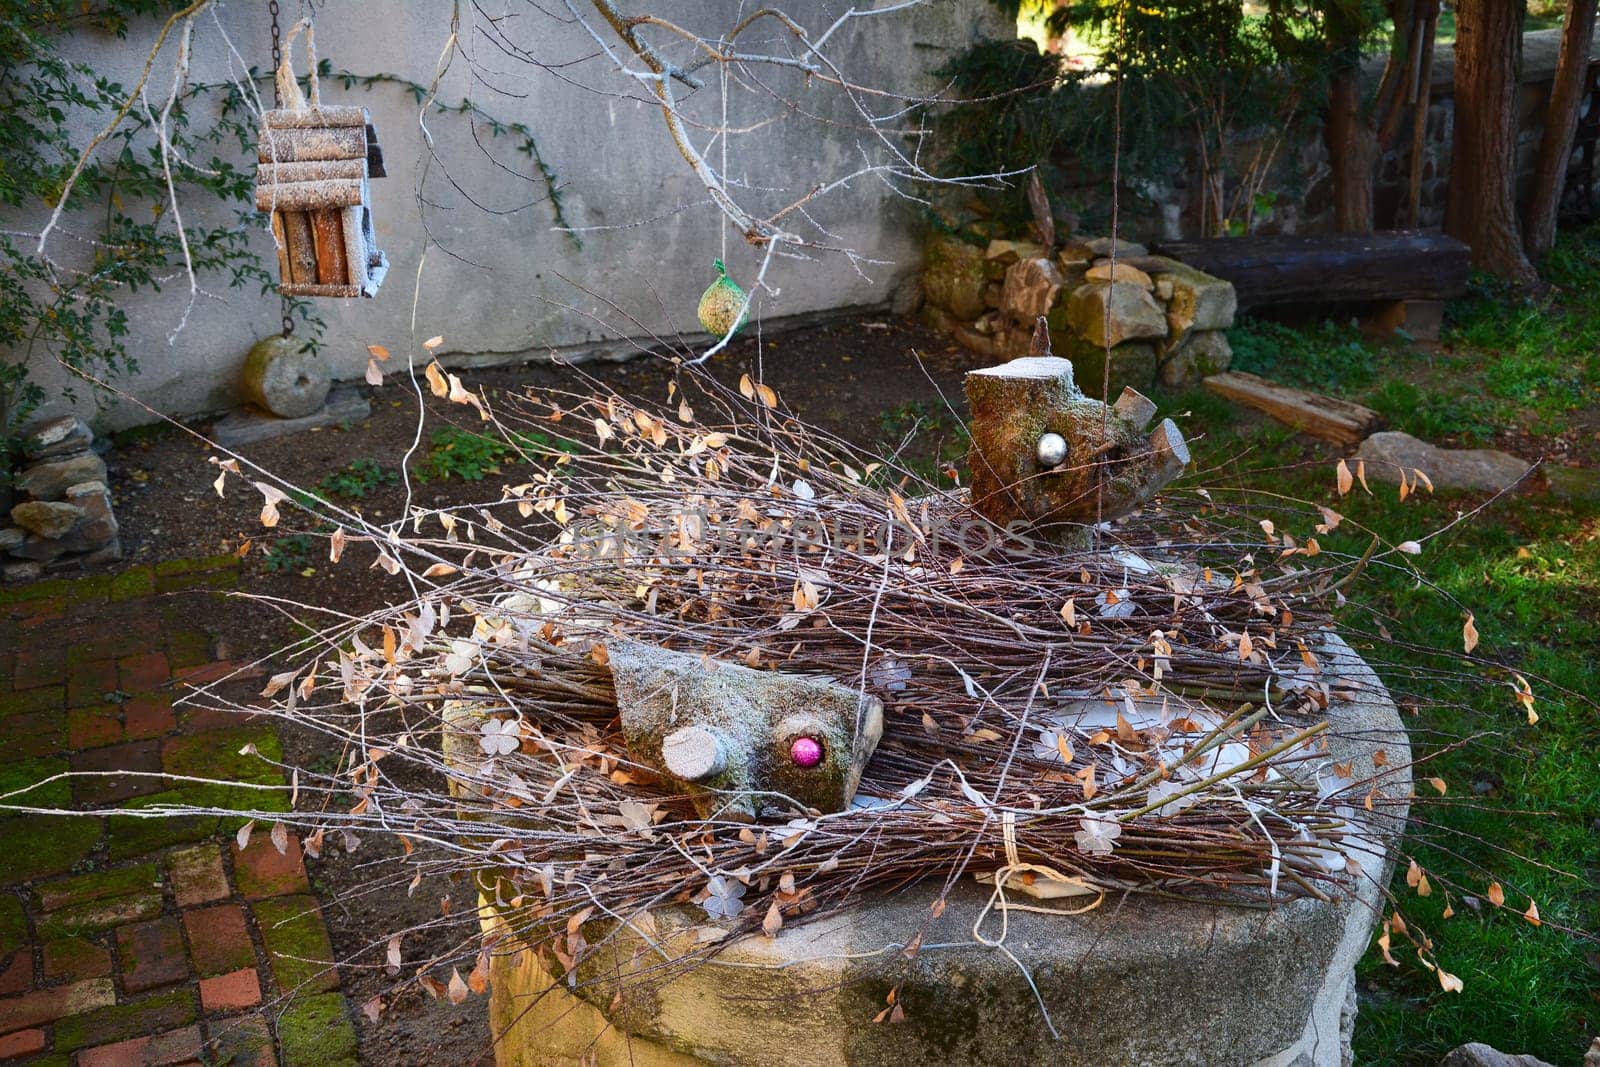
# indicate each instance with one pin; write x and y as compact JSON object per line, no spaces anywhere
{"x":310,"y":196}
{"x":321,"y":142}
{"x":357,"y":247}
{"x":328,"y":231}
{"x":1322,"y":417}
{"x":301,"y":118}
{"x":318,"y":289}
{"x":311,"y":171}
{"x":282,"y":246}
{"x":1332,"y":268}
{"x":301,"y":246}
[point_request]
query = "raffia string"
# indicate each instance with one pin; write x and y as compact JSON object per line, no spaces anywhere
{"x":1015,"y":866}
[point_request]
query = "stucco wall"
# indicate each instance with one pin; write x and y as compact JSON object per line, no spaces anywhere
{"x":496,"y":290}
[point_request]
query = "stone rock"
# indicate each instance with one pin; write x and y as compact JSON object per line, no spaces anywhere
{"x":1106,"y":271}
{"x":1573,"y":483}
{"x":49,"y":479}
{"x":1478,"y":1054}
{"x":1008,"y":252}
{"x":955,"y":277}
{"x":992,"y":294}
{"x":1031,"y":289}
{"x":22,"y":572}
{"x":106,"y":553}
{"x":1103,"y":246}
{"x":40,"y":549}
{"x":731,"y":732}
{"x":283,"y":379}
{"x":1163,"y":289}
{"x":1134,"y":314}
{"x":99,"y":525}
{"x":344,"y":404}
{"x":974,"y":340}
{"x":1133,"y":366}
{"x":1592,"y":1057}
{"x":1387,"y":453}
{"x":1199,"y":355}
{"x":907,"y":296}
{"x":11,"y":537}
{"x":1199,"y":301}
{"x":47,"y":518}
{"x":1075,"y":257}
{"x":57,"y":437}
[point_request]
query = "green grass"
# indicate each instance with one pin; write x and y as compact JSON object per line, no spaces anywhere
{"x":1523,"y":801}
{"x":471,"y":457}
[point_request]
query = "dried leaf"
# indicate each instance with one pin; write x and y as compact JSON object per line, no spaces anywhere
{"x":242,"y":838}
{"x":436,"y":380}
{"x":773,"y":921}
{"x":1532,"y":914}
{"x":1469,"y":634}
{"x":1342,"y":472}
{"x":1410,"y":548}
{"x":273,"y":497}
{"x":280,"y":838}
{"x":1439,"y":784}
{"x":433,"y":342}
{"x":336,"y":545}
{"x":1449,"y":982}
{"x":374,"y":375}
{"x":377,"y":352}
{"x":1496,"y":895}
{"x":457,"y":990}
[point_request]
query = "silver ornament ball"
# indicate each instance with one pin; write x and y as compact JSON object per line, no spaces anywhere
{"x":1052,"y":450}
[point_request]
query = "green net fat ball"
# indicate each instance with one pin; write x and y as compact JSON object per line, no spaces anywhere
{"x":722,"y":305}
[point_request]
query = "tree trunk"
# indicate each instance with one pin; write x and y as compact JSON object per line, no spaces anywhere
{"x":1352,"y":152}
{"x":1483,"y":181}
{"x":1560,"y":120}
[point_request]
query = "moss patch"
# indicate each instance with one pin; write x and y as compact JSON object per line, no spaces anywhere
{"x":100,"y":885}
{"x":15,"y":776}
{"x":121,"y":1021}
{"x":133,"y":582}
{"x":13,"y":925}
{"x":41,"y":845}
{"x":296,"y":939}
{"x":317,"y":1032}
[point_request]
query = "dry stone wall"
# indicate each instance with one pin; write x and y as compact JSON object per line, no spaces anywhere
{"x":1161,"y":320}
{"x":63,"y":513}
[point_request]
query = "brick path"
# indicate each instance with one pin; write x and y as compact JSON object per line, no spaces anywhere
{"x":127,"y":941}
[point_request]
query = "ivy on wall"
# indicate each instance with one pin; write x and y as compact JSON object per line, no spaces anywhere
{"x":117,"y":238}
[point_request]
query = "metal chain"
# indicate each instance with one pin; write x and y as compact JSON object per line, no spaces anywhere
{"x":277,"y":101}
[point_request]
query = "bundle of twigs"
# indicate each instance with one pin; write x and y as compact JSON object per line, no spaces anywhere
{"x":1143,"y":715}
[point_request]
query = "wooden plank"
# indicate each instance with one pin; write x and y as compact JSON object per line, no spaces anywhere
{"x":309,"y":196}
{"x":1332,"y":268}
{"x":328,"y":232}
{"x":311,"y":171}
{"x":322,"y":142}
{"x":300,"y":118}
{"x":1323,"y":417}
{"x":317,"y":289}
{"x":301,"y":246}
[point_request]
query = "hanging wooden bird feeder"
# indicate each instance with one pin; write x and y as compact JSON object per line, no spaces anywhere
{"x":314,"y":165}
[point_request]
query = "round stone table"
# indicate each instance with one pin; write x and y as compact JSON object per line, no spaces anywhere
{"x":1136,"y":981}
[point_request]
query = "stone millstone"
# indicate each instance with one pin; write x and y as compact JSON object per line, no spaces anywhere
{"x":1133,"y":313}
{"x":281,"y":378}
{"x":47,"y":518}
{"x":1389,"y":453}
{"x":726,"y":731}
{"x":50,"y":479}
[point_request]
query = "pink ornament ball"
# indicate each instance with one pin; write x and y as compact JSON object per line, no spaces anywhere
{"x":806,"y":752}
